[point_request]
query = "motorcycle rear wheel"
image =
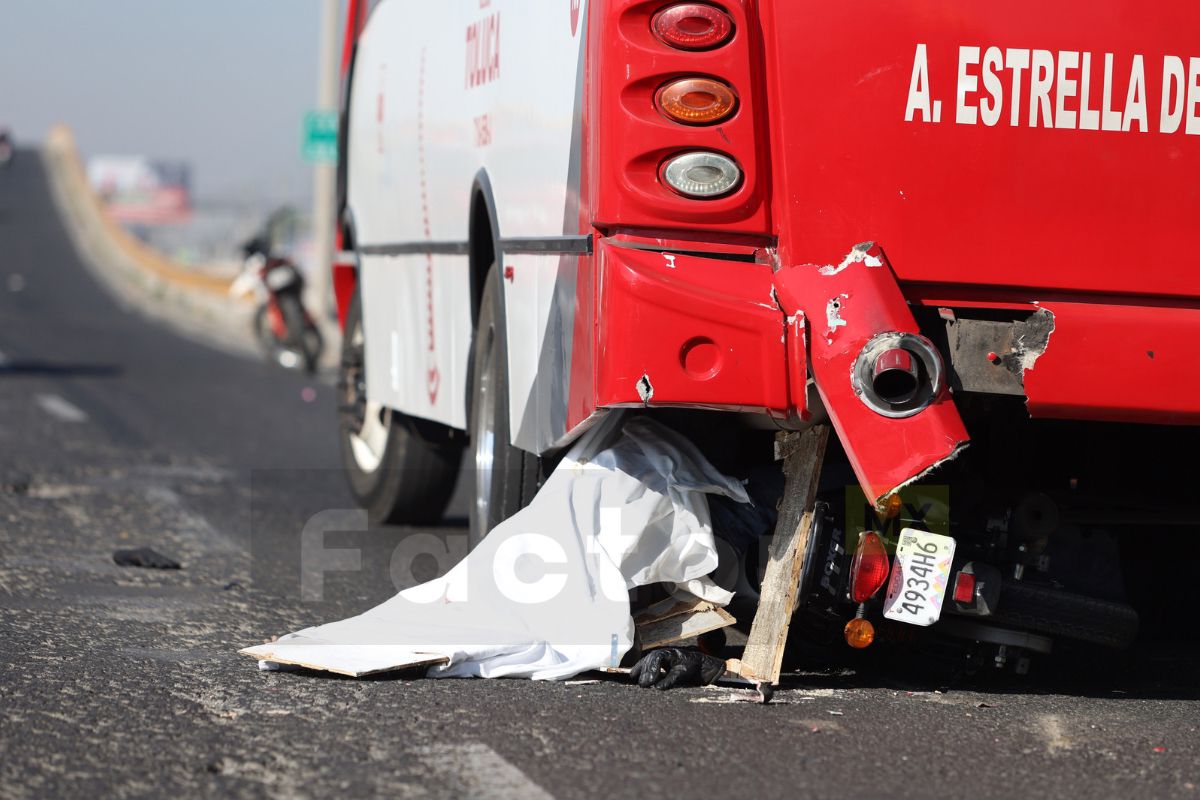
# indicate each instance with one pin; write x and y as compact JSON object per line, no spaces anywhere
{"x":1044,"y":609}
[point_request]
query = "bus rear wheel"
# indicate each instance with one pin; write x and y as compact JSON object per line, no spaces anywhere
{"x":506,"y":477}
{"x":402,"y":470}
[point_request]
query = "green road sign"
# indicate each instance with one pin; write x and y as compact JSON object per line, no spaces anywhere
{"x":320,"y":137}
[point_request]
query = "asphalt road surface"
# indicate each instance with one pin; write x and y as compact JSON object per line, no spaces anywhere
{"x":116,"y":682}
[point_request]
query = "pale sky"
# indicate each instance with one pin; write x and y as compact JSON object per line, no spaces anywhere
{"x":221,"y":83}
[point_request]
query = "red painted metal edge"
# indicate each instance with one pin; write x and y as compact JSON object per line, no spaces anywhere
{"x":345,"y":281}
{"x":1118,"y":363}
{"x":848,"y":305}
{"x":687,"y":331}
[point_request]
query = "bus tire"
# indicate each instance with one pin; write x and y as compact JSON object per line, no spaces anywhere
{"x":506,"y":477}
{"x":402,"y":470}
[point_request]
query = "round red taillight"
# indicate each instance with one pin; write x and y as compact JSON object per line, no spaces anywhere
{"x":693,"y":26}
{"x":869,"y":571}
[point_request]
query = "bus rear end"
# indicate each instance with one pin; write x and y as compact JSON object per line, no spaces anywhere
{"x":964,"y":237}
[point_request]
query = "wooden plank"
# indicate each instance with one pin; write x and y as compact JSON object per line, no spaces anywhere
{"x":676,"y":628}
{"x":670,"y":607}
{"x":803,"y":454}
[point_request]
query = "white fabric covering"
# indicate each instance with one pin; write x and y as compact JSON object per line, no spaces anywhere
{"x":545,"y":595}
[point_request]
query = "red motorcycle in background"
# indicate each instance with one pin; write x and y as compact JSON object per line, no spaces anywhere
{"x":282,"y":325}
{"x":6,"y":147}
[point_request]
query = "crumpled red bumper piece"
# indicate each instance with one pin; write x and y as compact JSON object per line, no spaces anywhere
{"x":678,"y":330}
{"x":846,"y":306}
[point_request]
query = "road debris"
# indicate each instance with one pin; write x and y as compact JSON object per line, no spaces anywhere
{"x":18,"y":485}
{"x":735,"y":696}
{"x":145,"y":558}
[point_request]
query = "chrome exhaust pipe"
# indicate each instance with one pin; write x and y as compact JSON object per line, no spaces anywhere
{"x":898,"y":374}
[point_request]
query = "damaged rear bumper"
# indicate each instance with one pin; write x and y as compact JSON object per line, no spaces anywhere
{"x":882,"y":381}
{"x":1099,"y":361}
{"x":683,"y":330}
{"x":686,"y":330}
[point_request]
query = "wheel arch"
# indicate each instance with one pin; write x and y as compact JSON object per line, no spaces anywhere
{"x":484,"y":239}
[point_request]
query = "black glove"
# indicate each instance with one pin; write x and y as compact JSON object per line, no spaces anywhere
{"x":684,"y":666}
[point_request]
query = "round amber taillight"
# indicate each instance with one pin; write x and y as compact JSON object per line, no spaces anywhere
{"x":696,"y":101}
{"x":859,"y":633}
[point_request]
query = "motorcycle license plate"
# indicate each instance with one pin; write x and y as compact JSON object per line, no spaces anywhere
{"x":920,"y":575}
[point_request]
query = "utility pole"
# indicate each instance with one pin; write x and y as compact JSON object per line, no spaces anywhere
{"x":325,"y":174}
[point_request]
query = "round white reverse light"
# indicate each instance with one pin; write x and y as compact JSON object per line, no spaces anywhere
{"x":702,"y":174}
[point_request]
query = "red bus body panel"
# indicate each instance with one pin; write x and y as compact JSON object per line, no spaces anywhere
{"x":1043,"y":209}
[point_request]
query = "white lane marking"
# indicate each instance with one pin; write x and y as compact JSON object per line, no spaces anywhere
{"x":60,"y":409}
{"x":188,"y":523}
{"x":477,"y":771}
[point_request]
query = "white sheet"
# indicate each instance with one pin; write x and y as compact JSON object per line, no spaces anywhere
{"x":545,"y":595}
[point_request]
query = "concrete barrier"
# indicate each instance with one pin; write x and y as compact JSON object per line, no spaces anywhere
{"x":195,"y":302}
{"x":60,"y":143}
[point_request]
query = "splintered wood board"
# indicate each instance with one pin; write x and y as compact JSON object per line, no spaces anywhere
{"x":803,"y":456}
{"x":670,"y":607}
{"x":684,"y":625}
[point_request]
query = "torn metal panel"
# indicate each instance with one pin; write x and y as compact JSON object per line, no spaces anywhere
{"x":992,"y":357}
{"x":645,"y":390}
{"x":848,"y":307}
{"x":861,"y":254}
{"x":1032,"y":339}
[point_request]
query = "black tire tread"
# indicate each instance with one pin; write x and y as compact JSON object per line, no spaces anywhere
{"x":1045,"y":609}
{"x":416,"y":480}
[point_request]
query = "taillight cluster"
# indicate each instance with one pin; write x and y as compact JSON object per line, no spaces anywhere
{"x":697,"y":99}
{"x":868,"y":574}
{"x":675,"y":118}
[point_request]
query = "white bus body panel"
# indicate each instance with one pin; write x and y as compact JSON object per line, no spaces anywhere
{"x":414,"y":155}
